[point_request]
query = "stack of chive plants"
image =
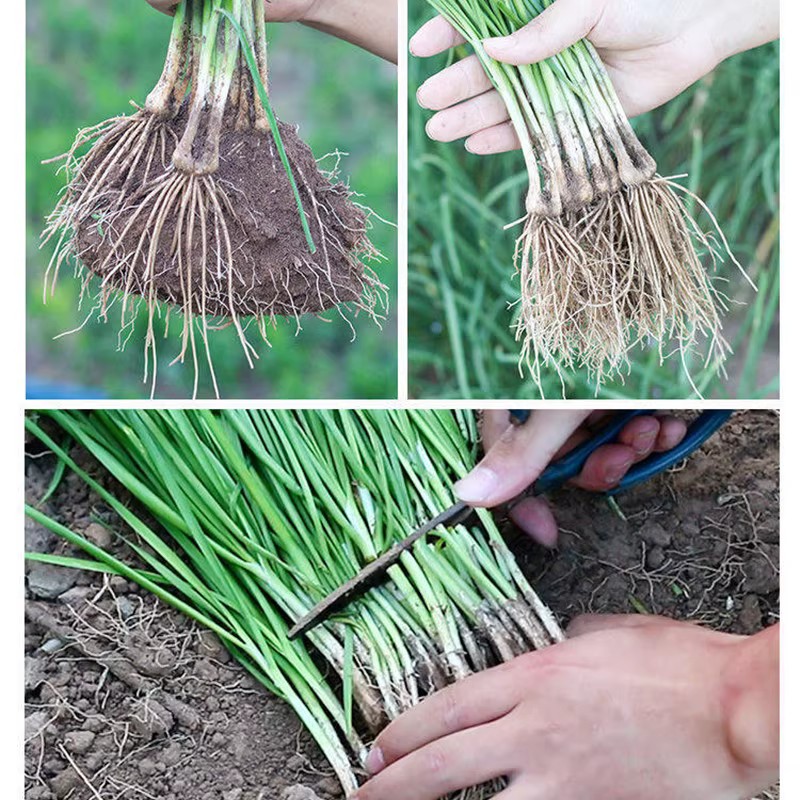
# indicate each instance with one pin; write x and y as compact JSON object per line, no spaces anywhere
{"x":258,"y":515}
{"x":201,"y":200}
{"x":609,"y":257}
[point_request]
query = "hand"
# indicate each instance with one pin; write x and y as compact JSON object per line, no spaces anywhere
{"x":653,"y":50}
{"x":372,"y":26}
{"x":276,"y":10}
{"x":630,"y":708}
{"x":516,"y":456}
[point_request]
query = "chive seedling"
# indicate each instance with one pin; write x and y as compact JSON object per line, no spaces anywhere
{"x":609,"y":258}
{"x":203,"y":201}
{"x":244,"y":520}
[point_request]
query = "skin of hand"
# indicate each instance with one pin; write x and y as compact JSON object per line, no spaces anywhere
{"x":517,"y":455}
{"x":628,"y":708}
{"x":372,"y":25}
{"x":653,"y":50}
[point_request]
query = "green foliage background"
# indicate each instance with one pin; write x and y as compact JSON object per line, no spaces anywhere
{"x":723,"y":132}
{"x":85,"y":61}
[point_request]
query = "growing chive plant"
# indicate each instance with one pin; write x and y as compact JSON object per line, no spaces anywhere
{"x":608,"y":258}
{"x":203,"y":201}
{"x":259,"y":515}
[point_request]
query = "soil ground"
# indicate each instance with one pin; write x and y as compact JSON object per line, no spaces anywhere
{"x":126,"y":699}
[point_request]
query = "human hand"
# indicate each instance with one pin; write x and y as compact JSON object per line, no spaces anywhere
{"x":630,"y":708}
{"x":372,"y":26}
{"x":653,"y":50}
{"x":516,"y":455}
{"x":276,"y":10}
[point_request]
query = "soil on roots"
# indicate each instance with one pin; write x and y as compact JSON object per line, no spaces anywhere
{"x":230,"y":244}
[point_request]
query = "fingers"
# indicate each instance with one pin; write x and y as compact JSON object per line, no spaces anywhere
{"x":466,"y":118}
{"x":166,"y":6}
{"x":497,"y":139}
{"x":494,"y":423}
{"x":518,"y":457}
{"x":671,"y":433}
{"x":444,"y":766}
{"x":473,"y":702}
{"x":642,"y":436}
{"x":533,"y":515}
{"x":460,"y":81}
{"x":605,"y":467}
{"x":434,"y":37}
{"x":594,"y":623}
{"x":556,"y":28}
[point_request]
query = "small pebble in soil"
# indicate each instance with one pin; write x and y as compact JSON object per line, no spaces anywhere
{"x":655,"y":557}
{"x":98,"y":534}
{"x":655,"y":533}
{"x":750,"y":617}
{"x":36,"y":723}
{"x":299,"y":792}
{"x":34,"y":673}
{"x":65,"y":782}
{"x":38,"y":793}
{"x":78,"y":741}
{"x":47,"y":581}
{"x":761,"y":577}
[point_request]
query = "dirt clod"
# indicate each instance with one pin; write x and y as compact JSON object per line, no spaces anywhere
{"x":298,"y":792}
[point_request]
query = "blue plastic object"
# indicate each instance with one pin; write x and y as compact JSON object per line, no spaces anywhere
{"x":570,"y":465}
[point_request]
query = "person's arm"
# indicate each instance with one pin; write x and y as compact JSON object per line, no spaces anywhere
{"x":751,"y":686}
{"x":629,"y":707}
{"x":371,"y":25}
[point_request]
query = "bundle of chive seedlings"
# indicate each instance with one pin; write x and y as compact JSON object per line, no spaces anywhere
{"x":258,"y":515}
{"x":203,"y":202}
{"x":609,"y":257}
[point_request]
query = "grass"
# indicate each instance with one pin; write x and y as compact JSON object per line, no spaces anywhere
{"x":84,"y":62}
{"x":723,"y":132}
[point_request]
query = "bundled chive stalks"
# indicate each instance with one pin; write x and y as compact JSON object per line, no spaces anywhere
{"x":202,"y":200}
{"x":608,"y":257}
{"x":261,"y":514}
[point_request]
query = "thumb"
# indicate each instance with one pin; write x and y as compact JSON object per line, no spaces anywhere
{"x":556,"y":28}
{"x":518,"y":457}
{"x":594,"y":623}
{"x":167,"y":6}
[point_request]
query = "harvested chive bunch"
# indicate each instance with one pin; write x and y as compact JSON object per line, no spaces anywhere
{"x":260,"y":514}
{"x":609,"y":257}
{"x":204,"y":201}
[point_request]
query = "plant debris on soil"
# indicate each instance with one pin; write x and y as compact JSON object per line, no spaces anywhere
{"x":126,"y":698}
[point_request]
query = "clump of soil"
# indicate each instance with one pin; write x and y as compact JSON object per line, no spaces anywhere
{"x":129,"y":698}
{"x":230,"y":243}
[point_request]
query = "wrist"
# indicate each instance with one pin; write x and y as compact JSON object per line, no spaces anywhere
{"x":738,"y":25}
{"x":319,"y":14}
{"x":750,"y":690}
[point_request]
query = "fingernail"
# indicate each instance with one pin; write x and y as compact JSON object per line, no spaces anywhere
{"x":468,"y":147}
{"x":616,"y":473}
{"x":420,"y":95}
{"x":500,"y":44}
{"x":428,"y":128}
{"x":477,"y":486}
{"x":644,"y":442}
{"x":374,"y":763}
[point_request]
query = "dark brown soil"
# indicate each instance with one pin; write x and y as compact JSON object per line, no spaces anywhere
{"x":699,"y":543}
{"x":274,"y":272}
